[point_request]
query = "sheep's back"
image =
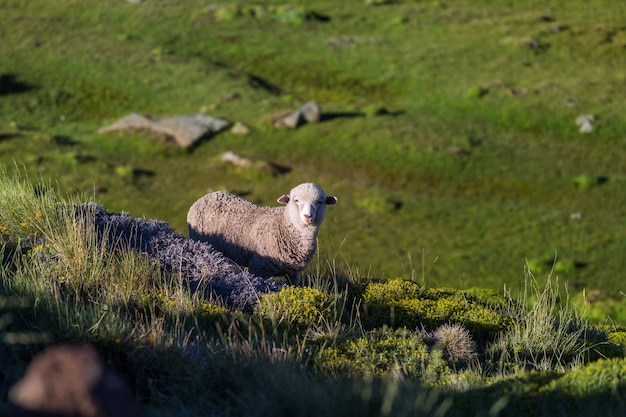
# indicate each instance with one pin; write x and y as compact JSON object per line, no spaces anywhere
{"x":231,"y":224}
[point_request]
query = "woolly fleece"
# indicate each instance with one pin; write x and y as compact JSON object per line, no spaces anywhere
{"x":205,"y":269}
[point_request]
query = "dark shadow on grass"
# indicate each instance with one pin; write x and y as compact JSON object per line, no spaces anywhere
{"x":325,"y":117}
{"x":277,"y":169}
{"x":64,"y":140}
{"x":9,"y":84}
{"x":318,"y":17}
{"x":8,"y":136}
{"x":384,"y":112}
{"x":141,"y":173}
{"x":259,"y":83}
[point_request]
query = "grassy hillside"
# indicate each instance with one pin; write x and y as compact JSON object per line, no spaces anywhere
{"x":448,"y":133}
{"x":343,"y":345}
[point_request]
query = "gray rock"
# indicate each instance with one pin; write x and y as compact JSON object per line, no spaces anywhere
{"x":585,"y":121}
{"x":71,"y":381}
{"x":309,"y":113}
{"x":184,"y":130}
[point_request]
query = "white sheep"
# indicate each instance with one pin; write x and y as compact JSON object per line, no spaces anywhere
{"x":270,"y":241}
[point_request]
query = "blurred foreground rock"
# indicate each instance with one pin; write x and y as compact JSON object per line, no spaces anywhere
{"x":184,"y":130}
{"x":71,"y":381}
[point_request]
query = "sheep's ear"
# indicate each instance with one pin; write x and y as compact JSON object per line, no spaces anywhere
{"x":283,"y":199}
{"x":331,"y":200}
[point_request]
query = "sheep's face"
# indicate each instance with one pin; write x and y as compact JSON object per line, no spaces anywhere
{"x":306,"y":204}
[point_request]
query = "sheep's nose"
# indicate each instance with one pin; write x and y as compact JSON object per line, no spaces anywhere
{"x":307,"y":218}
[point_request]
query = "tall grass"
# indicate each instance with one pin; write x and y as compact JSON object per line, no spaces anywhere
{"x":549,"y":335}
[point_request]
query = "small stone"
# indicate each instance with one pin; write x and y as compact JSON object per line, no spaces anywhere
{"x":253,"y":164}
{"x":233,"y":158}
{"x":309,"y":113}
{"x":239,"y":129}
{"x":585,"y":121}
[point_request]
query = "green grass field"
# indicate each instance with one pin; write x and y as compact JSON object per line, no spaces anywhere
{"x":403,"y":85}
{"x":449,"y":136}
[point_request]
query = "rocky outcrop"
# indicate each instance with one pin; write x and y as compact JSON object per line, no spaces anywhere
{"x":183,"y":130}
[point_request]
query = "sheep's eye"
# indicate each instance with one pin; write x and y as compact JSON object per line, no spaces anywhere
{"x":296,"y":199}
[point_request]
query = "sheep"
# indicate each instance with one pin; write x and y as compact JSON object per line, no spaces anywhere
{"x":270,"y":241}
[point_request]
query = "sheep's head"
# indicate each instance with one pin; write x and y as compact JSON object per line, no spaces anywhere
{"x":306,"y":204}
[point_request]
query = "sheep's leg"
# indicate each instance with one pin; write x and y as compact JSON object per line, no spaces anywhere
{"x":295,"y":279}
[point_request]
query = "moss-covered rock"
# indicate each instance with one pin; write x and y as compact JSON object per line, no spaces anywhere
{"x":400,"y":303}
{"x":606,"y":376}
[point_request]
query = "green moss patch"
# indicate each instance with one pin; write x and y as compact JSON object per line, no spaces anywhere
{"x":400,"y":303}
{"x":378,"y":352}
{"x":604,"y":375}
{"x":300,"y":306}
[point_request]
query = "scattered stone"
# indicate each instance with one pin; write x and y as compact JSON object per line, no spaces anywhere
{"x":247,"y":163}
{"x":71,"y":381}
{"x":309,"y":113}
{"x":184,"y":130}
{"x":585,"y":121}
{"x":232,"y":157}
{"x":239,"y":129}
